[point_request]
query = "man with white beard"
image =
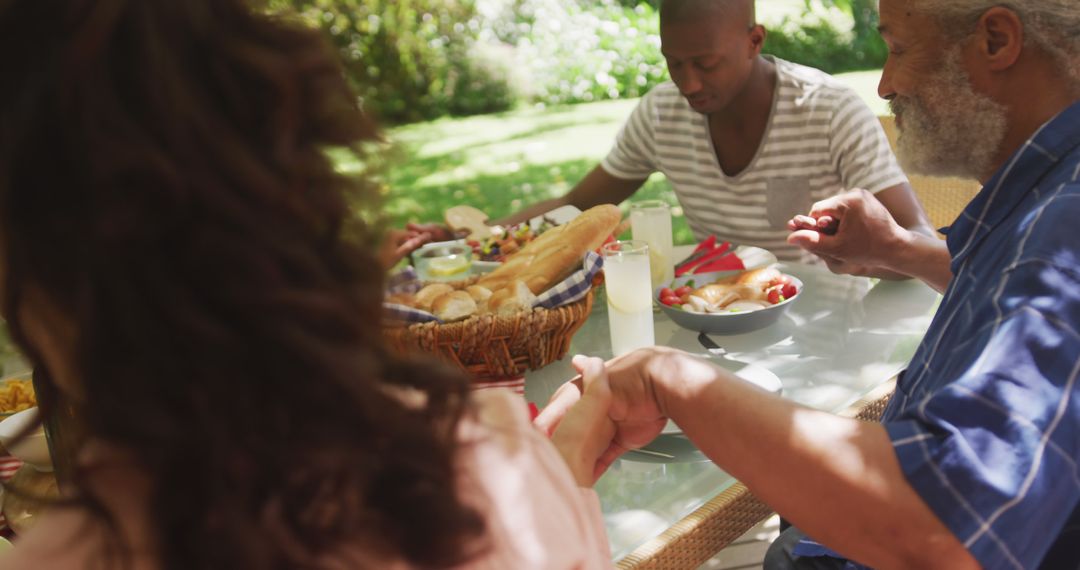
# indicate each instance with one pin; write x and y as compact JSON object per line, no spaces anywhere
{"x":974,"y":463}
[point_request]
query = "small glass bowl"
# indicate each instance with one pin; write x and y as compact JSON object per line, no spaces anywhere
{"x":443,"y":261}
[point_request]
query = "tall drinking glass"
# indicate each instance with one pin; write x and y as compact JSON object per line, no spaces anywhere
{"x":629,"y":295}
{"x":650,"y":221}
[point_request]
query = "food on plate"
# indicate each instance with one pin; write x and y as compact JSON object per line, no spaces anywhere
{"x":759,"y":277}
{"x":549,"y":258}
{"x":501,"y":244}
{"x":748,"y":291}
{"x":448,"y":266}
{"x":530,"y":271}
{"x":16,"y":395}
{"x":469,"y":220}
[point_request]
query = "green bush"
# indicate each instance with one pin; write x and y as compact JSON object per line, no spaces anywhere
{"x":815,"y":39}
{"x":415,"y":60}
{"x":577,"y":50}
{"x":410,"y":59}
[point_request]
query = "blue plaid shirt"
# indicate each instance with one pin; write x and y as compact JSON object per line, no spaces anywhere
{"x":986,"y":420}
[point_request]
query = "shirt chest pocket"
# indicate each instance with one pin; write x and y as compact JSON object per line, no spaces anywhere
{"x":786,"y":198}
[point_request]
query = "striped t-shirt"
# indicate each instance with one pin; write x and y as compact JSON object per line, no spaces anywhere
{"x":820,"y":140}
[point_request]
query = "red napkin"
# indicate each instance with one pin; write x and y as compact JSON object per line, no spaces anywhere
{"x":709,"y":256}
{"x":725,"y":263}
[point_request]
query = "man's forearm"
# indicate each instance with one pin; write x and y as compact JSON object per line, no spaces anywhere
{"x":598,"y":187}
{"x":923,"y":257}
{"x":928,"y":262}
{"x":532,"y":211}
{"x":837,"y":479}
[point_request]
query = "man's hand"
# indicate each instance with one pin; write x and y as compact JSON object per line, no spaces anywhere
{"x":868,"y":241}
{"x":400,"y":243}
{"x":585,"y":431}
{"x":865,"y":234}
{"x":437,"y":232}
{"x":633,"y":405}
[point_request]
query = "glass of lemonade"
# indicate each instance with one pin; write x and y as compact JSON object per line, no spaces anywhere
{"x":629,"y":295}
{"x":650,"y":221}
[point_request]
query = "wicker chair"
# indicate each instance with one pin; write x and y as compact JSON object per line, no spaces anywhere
{"x":695,"y":539}
{"x":943,"y":198}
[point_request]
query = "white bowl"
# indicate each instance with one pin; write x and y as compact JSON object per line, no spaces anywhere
{"x":34,"y":448}
{"x":723,"y":323}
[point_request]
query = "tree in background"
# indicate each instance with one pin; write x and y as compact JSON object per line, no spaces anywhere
{"x":414,"y":60}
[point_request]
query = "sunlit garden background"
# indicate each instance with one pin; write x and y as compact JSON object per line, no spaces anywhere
{"x":499,"y":103}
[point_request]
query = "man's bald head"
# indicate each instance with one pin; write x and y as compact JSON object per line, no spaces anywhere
{"x":674,"y":11}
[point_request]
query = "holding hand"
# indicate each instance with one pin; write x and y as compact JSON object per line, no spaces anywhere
{"x":852,"y":232}
{"x":633,"y":406}
{"x":585,"y":432}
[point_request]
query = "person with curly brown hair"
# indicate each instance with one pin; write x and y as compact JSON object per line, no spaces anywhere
{"x":185,"y":269}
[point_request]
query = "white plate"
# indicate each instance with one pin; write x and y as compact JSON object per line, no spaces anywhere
{"x":559,"y":215}
{"x":755,"y":257}
{"x":752,"y":373}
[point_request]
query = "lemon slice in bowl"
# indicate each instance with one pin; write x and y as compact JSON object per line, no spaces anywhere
{"x":448,"y":266}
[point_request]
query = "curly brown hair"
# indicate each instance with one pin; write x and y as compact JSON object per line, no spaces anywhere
{"x":164,"y":183}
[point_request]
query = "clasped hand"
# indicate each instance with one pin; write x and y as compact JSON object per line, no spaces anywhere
{"x":610,"y":408}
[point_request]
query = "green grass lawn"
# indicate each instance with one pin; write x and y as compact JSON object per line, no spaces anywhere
{"x":502,"y":162}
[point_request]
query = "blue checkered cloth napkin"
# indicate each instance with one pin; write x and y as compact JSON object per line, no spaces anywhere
{"x":570,"y":290}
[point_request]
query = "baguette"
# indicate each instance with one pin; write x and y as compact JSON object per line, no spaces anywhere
{"x":549,"y":258}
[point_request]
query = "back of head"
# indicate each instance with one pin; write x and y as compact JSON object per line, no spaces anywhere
{"x":1051,"y":25}
{"x":164,"y":186}
{"x":673,"y":11}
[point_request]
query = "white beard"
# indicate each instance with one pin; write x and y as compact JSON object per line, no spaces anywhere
{"x":946,"y":128}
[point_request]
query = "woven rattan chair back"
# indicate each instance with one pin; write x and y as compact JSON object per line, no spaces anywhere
{"x":943,"y":198}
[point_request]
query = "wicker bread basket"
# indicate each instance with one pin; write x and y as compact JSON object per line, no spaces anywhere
{"x":498,"y":346}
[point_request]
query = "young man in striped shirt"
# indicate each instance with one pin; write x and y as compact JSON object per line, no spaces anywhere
{"x":746,"y":141}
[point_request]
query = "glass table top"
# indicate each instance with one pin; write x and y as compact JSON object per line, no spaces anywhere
{"x":842,"y":337}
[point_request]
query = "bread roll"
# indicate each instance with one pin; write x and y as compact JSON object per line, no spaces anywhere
{"x":454,"y":306}
{"x":426,"y":296}
{"x":515,"y":297}
{"x":556,"y":253}
{"x":402,"y":299}
{"x":481,"y":295}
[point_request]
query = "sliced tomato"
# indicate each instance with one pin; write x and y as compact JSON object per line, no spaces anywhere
{"x":684,"y":290}
{"x":666,"y":292}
